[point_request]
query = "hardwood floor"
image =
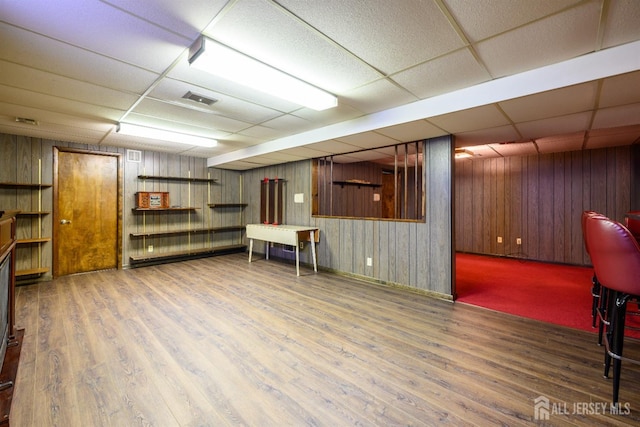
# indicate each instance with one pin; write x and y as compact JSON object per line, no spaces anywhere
{"x":219,"y":341}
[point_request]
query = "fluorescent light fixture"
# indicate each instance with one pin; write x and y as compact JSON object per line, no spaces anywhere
{"x":463,"y":153}
{"x":215,"y":58}
{"x":165,"y":135}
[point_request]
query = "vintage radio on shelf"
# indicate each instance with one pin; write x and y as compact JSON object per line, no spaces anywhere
{"x":152,"y":200}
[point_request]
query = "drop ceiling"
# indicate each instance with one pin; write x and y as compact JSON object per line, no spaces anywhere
{"x":505,"y":77}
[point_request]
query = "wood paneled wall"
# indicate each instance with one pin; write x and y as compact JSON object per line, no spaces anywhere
{"x":412,"y":254}
{"x":349,"y":200}
{"x":20,"y":160}
{"x":539,"y":199}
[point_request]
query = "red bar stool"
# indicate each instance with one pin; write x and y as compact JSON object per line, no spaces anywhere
{"x":615,"y":254}
{"x":597,"y":292}
{"x":632,"y":222}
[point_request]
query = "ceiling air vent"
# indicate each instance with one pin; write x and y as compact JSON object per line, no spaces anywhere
{"x":199,"y":98}
{"x":134,"y":156}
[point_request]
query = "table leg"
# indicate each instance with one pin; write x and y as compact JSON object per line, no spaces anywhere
{"x":313,"y":251}
{"x":250,"y":248}
{"x":298,"y":258}
{"x":267,"y":244}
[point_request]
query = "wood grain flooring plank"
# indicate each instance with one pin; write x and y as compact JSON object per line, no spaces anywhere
{"x":221,"y":342}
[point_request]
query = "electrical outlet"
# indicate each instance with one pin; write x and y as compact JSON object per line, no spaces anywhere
{"x":518,"y":241}
{"x":369,"y":262}
{"x":499,"y":239}
{"x":150,"y":248}
{"x":301,"y":245}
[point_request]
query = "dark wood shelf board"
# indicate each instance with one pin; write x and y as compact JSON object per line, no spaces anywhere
{"x":194,"y":231}
{"x":30,"y":241}
{"x":358,"y":184}
{"x":33,"y":213}
{"x":23,"y":185}
{"x":177,"y":178}
{"x":159,"y":258}
{"x":227,"y":205}
{"x":31,"y":272}
{"x":164,"y":209}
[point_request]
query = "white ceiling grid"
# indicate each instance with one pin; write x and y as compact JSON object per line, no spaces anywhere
{"x":78,"y":68}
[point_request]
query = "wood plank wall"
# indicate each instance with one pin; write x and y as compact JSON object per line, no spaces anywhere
{"x":412,"y":254}
{"x":417,"y":255}
{"x":540,"y":199}
{"x":350,"y":200}
{"x":19,"y":163}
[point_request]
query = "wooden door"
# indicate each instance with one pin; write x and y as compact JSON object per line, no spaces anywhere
{"x":86,"y":206}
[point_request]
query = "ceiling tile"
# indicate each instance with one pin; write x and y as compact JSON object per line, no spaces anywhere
{"x":41,"y":82}
{"x":261,"y":30}
{"x":554,"y":126}
{"x":484,"y":117}
{"x":172,"y":92}
{"x":620,"y":90}
{"x":186,"y":18}
{"x":98,"y":27}
{"x":43,"y":53}
{"x":515,"y":149}
{"x":333,"y":147}
{"x":44,"y":102}
{"x":622,"y":22}
{"x":376,"y":96}
{"x":559,"y":102}
{"x":306,"y":152}
{"x":480,"y":152}
{"x":444,"y":74}
{"x":480,"y":20}
{"x":557,"y":38}
{"x":370,"y":33}
{"x":367,"y":140}
{"x":557,"y":144}
{"x":150,"y":112}
{"x":617,"y":116}
{"x":412,"y":131}
{"x":613,"y":137}
{"x":487,"y":136}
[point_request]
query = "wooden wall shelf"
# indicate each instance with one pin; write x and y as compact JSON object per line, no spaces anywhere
{"x":354,"y":183}
{"x":194,"y":231}
{"x":177,"y":178}
{"x":177,"y":209}
{"x":23,"y":185}
{"x":227,"y":205}
{"x":33,"y":213}
{"x":31,"y":272}
{"x":30,"y":241}
{"x":157,"y":258}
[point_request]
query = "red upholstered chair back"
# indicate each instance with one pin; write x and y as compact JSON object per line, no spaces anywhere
{"x":585,"y":215}
{"x":615,"y":254}
{"x":633,"y":225}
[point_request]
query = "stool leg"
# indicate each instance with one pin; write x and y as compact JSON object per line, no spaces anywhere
{"x":609,"y":325}
{"x":595,"y":293}
{"x":603,"y":304}
{"x":618,"y":342}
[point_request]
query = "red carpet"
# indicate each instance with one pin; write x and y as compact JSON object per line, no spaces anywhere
{"x":552,"y":293}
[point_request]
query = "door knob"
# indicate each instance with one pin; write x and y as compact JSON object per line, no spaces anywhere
{"x":65,"y":221}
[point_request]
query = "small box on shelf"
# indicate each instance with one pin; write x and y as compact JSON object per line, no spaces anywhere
{"x":152,"y":200}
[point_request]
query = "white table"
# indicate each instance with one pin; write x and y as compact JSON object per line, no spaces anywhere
{"x":285,"y":235}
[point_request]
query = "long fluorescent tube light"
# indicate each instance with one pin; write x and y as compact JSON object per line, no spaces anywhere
{"x":210,"y":56}
{"x":165,"y":135}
